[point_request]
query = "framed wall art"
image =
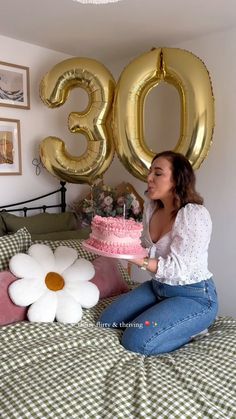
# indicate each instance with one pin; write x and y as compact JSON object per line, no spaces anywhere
{"x":10,"y":147}
{"x":14,"y":86}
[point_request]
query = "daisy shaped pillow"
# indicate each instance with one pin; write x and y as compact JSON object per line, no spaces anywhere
{"x":55,"y":285}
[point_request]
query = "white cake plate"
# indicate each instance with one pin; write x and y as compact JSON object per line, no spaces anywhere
{"x":92,"y":249}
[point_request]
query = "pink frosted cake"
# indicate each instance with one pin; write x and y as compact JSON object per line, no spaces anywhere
{"x":116,"y":236}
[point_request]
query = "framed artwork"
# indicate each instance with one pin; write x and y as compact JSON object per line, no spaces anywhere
{"x":10,"y":147}
{"x":14,"y":86}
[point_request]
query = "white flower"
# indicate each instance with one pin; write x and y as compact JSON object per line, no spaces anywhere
{"x":136,"y":211}
{"x":108,"y":200}
{"x":135,"y":204}
{"x":54,"y":285}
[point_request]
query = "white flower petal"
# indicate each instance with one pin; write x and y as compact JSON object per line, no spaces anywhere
{"x":85,"y":293}
{"x":43,"y":254}
{"x":64,"y":257}
{"x":68,"y":310}
{"x":24,"y":292}
{"x":24,"y":266}
{"x":81,"y":270}
{"x":44,"y":309}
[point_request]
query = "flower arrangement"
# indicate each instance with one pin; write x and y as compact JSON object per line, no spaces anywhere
{"x":107,"y":201}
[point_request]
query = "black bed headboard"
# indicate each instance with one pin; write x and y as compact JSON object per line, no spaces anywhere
{"x":62,"y":205}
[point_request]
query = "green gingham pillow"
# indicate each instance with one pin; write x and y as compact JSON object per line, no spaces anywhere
{"x":11,"y":244}
{"x":82,"y":253}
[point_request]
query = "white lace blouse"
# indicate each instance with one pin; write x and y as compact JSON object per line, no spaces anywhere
{"x":182,"y":253}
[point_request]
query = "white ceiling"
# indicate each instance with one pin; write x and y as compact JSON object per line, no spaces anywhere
{"x":114,"y":30}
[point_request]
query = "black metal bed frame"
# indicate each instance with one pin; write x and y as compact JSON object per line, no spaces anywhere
{"x":62,"y":205}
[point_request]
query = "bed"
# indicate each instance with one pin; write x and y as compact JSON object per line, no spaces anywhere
{"x":52,"y":370}
{"x":39,"y":219}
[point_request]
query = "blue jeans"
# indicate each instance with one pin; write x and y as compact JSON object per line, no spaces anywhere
{"x":159,"y":318}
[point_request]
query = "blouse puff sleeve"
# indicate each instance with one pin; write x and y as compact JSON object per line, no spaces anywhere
{"x":188,"y":256}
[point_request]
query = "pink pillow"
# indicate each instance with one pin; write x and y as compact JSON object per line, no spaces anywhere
{"x":9,"y":312}
{"x":108,"y":277}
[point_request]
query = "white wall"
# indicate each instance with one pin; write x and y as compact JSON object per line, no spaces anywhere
{"x":216,"y":177}
{"x":36,"y":123}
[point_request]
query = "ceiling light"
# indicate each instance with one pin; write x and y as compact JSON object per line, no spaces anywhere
{"x":96,"y":1}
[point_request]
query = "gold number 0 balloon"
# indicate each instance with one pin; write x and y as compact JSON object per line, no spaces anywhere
{"x":94,"y":122}
{"x":189,"y":75}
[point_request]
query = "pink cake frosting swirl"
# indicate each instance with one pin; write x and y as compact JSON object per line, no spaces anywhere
{"x":116,"y":235}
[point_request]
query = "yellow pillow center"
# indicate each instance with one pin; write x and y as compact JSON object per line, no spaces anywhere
{"x":54,"y":281}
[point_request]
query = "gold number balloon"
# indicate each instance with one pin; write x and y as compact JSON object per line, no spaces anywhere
{"x":94,"y":122}
{"x":189,"y":75}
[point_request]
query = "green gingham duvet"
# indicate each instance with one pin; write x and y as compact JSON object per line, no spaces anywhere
{"x":82,"y":371}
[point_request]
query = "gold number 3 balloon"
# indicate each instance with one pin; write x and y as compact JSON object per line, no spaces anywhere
{"x":94,"y":122}
{"x":176,"y":66}
{"x":189,"y":75}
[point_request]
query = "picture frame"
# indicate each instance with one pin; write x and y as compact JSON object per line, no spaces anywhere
{"x":14,"y":86}
{"x":10,"y":147}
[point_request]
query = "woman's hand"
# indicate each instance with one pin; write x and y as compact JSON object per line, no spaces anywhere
{"x":138,"y":262}
{"x":146,"y":263}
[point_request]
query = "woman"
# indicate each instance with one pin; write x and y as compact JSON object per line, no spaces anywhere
{"x":180,"y":300}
